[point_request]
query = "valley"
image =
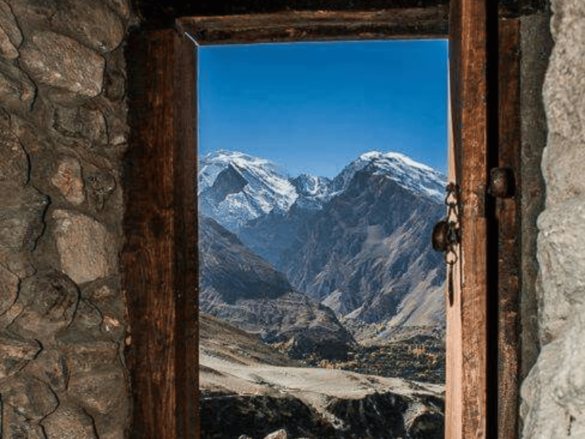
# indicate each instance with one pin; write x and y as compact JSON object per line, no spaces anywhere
{"x":249,"y":390}
{"x":319,"y":294}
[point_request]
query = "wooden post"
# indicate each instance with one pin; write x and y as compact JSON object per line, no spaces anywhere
{"x":159,"y":259}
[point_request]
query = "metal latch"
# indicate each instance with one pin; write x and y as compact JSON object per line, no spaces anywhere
{"x":447,"y":235}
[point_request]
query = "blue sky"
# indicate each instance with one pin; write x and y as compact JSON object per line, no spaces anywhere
{"x":314,"y":107}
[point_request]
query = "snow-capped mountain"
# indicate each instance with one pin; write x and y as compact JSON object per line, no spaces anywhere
{"x":312,"y":191}
{"x":360,"y":243}
{"x":409,"y":174}
{"x":235,"y":188}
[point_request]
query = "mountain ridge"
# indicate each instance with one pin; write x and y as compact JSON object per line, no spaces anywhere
{"x":271,"y":188}
{"x":359,"y":243}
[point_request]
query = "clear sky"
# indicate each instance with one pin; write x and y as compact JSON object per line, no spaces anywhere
{"x":314,"y":107}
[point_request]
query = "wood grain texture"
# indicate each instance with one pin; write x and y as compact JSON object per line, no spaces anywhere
{"x":507,"y":215}
{"x":159,"y":259}
{"x":467,"y":411}
{"x":157,"y":13}
{"x":454,"y":357}
{"x":288,"y":26}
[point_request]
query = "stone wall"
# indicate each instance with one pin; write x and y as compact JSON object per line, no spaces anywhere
{"x":553,"y":405}
{"x":62,"y":134}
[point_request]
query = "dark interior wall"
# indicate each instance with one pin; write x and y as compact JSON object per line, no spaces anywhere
{"x":535,"y":47}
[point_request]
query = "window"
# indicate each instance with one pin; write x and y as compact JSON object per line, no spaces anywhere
{"x":160,"y":257}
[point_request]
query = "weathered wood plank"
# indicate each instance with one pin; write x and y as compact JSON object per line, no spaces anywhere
{"x":454,"y":357}
{"x":468,"y":56}
{"x":186,"y":238}
{"x":159,"y":14}
{"x":321,"y":25}
{"x":507,"y":215}
{"x":159,"y":257}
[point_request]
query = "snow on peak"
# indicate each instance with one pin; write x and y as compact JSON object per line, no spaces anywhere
{"x":313,"y":191}
{"x":394,"y":156}
{"x":267,"y":187}
{"x":252,"y":187}
{"x":408,"y":173}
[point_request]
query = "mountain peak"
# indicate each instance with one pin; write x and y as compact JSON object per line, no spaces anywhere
{"x":235,"y":187}
{"x":394,"y":157}
{"x":408,"y":173}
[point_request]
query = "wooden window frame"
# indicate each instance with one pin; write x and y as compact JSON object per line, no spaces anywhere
{"x":159,"y":260}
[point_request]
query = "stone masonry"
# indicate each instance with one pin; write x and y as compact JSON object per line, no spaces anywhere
{"x":62,"y":135}
{"x":553,"y":405}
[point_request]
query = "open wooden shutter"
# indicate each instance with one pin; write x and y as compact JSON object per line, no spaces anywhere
{"x":467,"y":316}
{"x":482,"y":331}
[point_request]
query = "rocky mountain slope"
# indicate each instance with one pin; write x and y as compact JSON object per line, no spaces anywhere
{"x":245,"y":290}
{"x":247,"y":389}
{"x":359,"y":243}
{"x":367,"y":253}
{"x":235,"y":188}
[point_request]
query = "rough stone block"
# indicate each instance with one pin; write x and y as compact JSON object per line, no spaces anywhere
{"x":113,"y":327}
{"x":280,"y":434}
{"x":9,"y":284}
{"x":68,"y":179}
{"x":50,"y":301}
{"x":17,"y":91}
{"x":564,"y":98}
{"x":101,"y":185}
{"x":93,"y":23}
{"x":10,"y":34}
{"x":10,"y":315}
{"x":553,"y":405}
{"x":122,"y":7}
{"x":17,"y":426}
{"x":102,"y":294}
{"x":50,"y":367}
{"x":29,"y":397}
{"x":13,"y":230}
{"x":33,"y":13}
{"x":14,"y":165}
{"x":82,"y":122}
{"x":86,"y":249}
{"x":563,"y":162}
{"x":21,"y":219}
{"x":69,"y":422}
{"x":62,"y":62}
{"x":15,"y":353}
{"x":99,"y":390}
{"x":113,"y":433}
{"x":115,"y":85}
{"x":84,"y":354}
{"x":18,"y":262}
{"x":561,"y":255}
